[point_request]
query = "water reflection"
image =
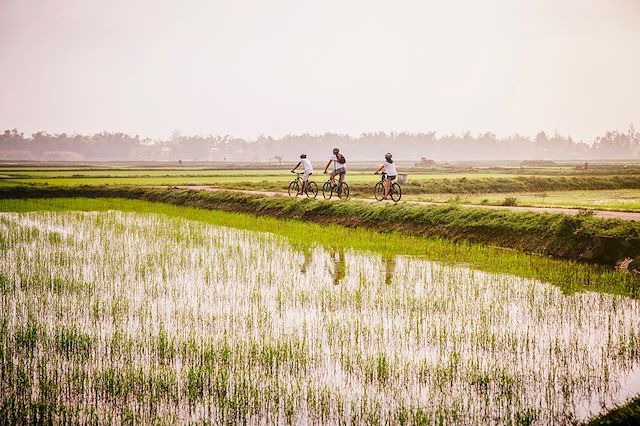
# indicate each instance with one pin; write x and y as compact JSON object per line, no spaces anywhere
{"x":390,"y":269}
{"x":339,"y":266}
{"x":308,"y":257}
{"x":239,"y":321}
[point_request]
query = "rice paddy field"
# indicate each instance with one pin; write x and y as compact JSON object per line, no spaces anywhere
{"x":615,"y":199}
{"x":604,"y":187}
{"x":270,"y":178}
{"x":115,"y":311}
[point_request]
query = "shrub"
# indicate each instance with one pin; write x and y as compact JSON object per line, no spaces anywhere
{"x":510,"y":201}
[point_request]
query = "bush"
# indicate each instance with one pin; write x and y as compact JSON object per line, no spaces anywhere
{"x":510,"y":201}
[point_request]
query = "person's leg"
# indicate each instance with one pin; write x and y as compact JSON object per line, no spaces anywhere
{"x":342,"y":173}
{"x":333,"y":177}
{"x":305,"y":179}
{"x":387,"y":184}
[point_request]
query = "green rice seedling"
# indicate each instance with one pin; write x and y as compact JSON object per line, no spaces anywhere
{"x":55,"y":238}
{"x":188,"y":322}
{"x":6,"y":286}
{"x":27,"y":336}
{"x":71,"y":341}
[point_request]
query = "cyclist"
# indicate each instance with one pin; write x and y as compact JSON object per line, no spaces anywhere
{"x":338,"y":167}
{"x":390,"y":170}
{"x":308,"y":171}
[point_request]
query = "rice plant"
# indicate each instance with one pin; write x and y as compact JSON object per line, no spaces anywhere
{"x":113,"y":317}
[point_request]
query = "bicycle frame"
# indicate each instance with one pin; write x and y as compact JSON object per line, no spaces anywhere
{"x":397,"y":192}
{"x":310,"y":187}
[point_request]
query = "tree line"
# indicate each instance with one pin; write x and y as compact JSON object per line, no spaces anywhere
{"x":106,"y":146}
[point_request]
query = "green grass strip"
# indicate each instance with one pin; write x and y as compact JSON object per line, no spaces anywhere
{"x":570,"y":276}
{"x":627,"y":414}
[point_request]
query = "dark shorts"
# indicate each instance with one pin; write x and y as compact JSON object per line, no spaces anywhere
{"x":391,"y":177}
{"x":339,"y":171}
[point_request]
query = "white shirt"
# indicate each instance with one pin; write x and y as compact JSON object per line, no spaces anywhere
{"x":308,"y":168}
{"x":337,"y":165}
{"x":390,"y":169}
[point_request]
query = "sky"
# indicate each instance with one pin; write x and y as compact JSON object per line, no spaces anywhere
{"x":249,"y":68}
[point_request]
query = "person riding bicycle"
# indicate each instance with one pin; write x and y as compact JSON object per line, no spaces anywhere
{"x":390,"y":170}
{"x":308,"y":171}
{"x":338,"y":167}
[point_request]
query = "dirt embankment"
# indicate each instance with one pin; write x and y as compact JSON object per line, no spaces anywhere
{"x":583,"y":238}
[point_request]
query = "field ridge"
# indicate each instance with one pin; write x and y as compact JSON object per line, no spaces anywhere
{"x":582,"y":237}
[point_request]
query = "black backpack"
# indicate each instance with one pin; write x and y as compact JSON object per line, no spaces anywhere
{"x":341,"y":158}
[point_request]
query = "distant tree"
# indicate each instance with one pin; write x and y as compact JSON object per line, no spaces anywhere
{"x":404,"y":145}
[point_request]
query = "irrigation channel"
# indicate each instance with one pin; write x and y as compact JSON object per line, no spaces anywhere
{"x":109,"y":317}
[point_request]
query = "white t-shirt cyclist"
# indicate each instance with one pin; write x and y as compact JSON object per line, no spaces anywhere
{"x":308,"y":168}
{"x":390,"y":169}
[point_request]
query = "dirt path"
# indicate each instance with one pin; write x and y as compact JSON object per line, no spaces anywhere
{"x":605,"y":214}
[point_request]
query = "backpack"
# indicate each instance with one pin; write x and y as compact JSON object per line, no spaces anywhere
{"x":341,"y":158}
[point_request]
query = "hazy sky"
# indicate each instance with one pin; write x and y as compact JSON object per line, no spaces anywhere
{"x":274,"y":67}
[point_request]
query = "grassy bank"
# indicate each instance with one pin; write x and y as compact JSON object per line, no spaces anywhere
{"x":627,"y":414}
{"x":570,"y":276}
{"x":568,"y":237}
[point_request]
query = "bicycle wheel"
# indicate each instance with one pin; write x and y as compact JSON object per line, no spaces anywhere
{"x":396,"y":192}
{"x":378,"y":191}
{"x":293,"y":188}
{"x":311,"y":189}
{"x":327,"y":190}
{"x":343,"y":190}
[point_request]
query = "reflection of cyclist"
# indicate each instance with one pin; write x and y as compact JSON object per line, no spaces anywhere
{"x":307,"y":260}
{"x":390,"y":268}
{"x":390,"y":170}
{"x":340,"y":269}
{"x":338,"y":166}
{"x":308,"y":171}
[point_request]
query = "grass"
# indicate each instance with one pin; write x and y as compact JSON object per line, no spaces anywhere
{"x":614,"y":199}
{"x":582,"y":237}
{"x":361,"y":182}
{"x":626,"y":414}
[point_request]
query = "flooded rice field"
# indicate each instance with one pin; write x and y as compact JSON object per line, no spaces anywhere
{"x":114,"y":317}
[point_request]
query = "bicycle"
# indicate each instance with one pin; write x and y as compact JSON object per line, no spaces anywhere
{"x":395,"y":191}
{"x":341,"y":190}
{"x":310,"y":189}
